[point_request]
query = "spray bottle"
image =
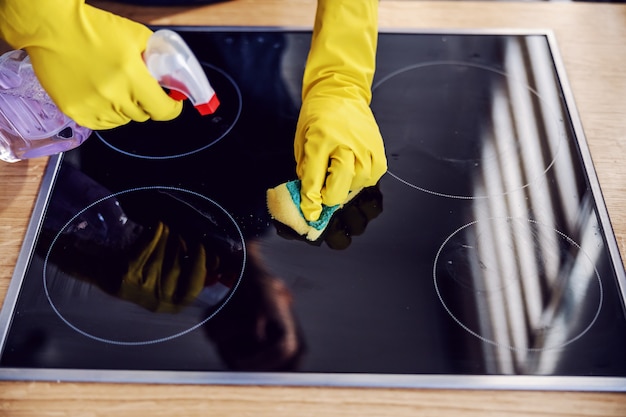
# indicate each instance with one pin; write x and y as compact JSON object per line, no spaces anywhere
{"x":32,"y":126}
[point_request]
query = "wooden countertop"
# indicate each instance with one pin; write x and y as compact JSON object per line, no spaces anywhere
{"x":592,"y":42}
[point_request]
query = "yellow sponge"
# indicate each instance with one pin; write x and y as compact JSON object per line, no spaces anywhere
{"x":283,"y":203}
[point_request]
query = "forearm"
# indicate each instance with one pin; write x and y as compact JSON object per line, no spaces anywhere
{"x":342,"y":26}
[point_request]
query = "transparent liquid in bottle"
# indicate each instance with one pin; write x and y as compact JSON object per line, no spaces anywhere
{"x":30,"y":123}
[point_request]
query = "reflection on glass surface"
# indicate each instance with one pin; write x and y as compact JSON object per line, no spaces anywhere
{"x":510,"y":274}
{"x":550,"y":268}
{"x":151,"y":276}
{"x":485,"y":120}
{"x":183,"y":256}
{"x":524,"y":272}
{"x":499,"y":263}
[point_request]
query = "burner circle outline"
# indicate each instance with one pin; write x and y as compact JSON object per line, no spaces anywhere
{"x":474,"y":333}
{"x":194,"y":151}
{"x":408,"y":68}
{"x":160,"y":339}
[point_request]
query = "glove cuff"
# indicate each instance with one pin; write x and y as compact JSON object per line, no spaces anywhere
{"x":342,"y":57}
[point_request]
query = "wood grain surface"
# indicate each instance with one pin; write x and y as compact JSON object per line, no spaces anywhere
{"x":592,"y":41}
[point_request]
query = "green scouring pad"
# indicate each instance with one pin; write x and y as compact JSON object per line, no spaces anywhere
{"x":283,"y":202}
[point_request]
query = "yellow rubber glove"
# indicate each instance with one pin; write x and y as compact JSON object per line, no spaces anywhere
{"x":88,"y":60}
{"x":338,"y":146}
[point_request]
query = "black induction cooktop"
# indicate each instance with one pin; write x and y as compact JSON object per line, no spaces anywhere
{"x":484,"y":258}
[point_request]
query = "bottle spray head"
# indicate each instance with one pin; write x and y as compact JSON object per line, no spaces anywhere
{"x":175,"y":67}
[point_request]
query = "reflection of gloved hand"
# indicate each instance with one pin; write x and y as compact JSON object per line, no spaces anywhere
{"x":338,"y":146}
{"x":88,"y":60}
{"x":258,"y":330}
{"x":353,"y":218}
{"x":166,"y":274}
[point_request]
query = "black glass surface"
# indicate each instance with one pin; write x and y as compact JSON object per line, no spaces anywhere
{"x":480,"y":252}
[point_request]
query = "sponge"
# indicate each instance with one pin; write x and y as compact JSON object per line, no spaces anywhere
{"x":283,"y":203}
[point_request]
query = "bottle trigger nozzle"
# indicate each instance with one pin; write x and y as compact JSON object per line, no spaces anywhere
{"x":175,"y":67}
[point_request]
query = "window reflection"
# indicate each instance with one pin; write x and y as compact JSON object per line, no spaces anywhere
{"x":548,"y":264}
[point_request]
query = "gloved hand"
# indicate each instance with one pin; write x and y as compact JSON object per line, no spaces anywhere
{"x":88,"y":61}
{"x":348,"y":222}
{"x":338,"y":146}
